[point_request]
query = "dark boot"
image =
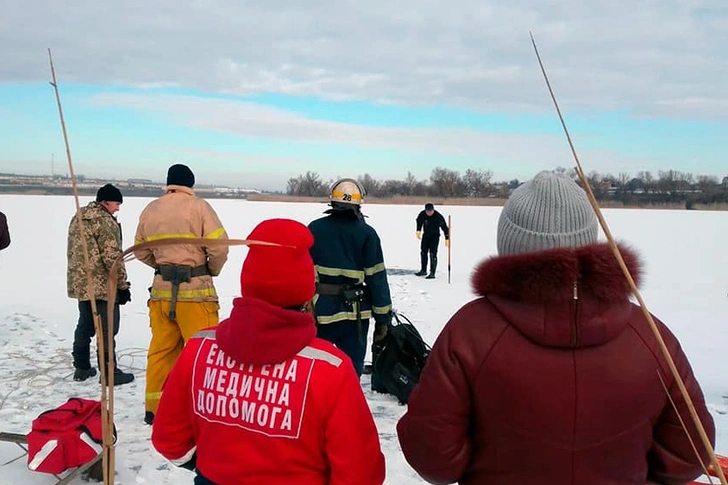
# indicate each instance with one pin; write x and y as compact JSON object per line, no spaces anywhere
{"x":120,"y":377}
{"x":433,"y":266}
{"x":83,"y":374}
{"x":423,"y":263}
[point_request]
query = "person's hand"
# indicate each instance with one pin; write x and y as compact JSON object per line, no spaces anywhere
{"x":380,"y":332}
{"x":447,"y":243}
{"x":123,"y":296}
{"x":418,"y":234}
{"x":379,"y":340}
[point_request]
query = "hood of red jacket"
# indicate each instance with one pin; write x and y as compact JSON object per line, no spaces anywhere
{"x":259,"y":333}
{"x":565,"y":297}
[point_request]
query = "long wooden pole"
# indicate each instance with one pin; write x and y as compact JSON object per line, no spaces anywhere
{"x":449,"y":245}
{"x":107,"y":431}
{"x":648,"y":316}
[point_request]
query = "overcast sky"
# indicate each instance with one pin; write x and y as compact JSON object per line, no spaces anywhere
{"x":251,"y":95}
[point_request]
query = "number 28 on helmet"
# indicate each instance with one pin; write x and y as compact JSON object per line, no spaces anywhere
{"x":347,"y":191}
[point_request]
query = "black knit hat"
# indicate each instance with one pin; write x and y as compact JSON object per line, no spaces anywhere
{"x":109,"y":193}
{"x":179,"y":174}
{"x":429,"y":207}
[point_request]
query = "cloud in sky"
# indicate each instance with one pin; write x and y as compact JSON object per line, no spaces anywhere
{"x":263,"y":140}
{"x":474,"y":148}
{"x":255,"y":92}
{"x":656,"y":57}
{"x":259,"y":121}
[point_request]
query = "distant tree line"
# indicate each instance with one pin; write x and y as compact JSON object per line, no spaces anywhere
{"x":669,"y":186}
{"x":442,"y":183}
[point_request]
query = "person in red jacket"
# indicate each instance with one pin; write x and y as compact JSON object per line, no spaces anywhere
{"x":260,"y":399}
{"x":552,"y":375}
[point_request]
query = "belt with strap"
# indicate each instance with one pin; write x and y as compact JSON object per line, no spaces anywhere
{"x":194,"y":270}
{"x":177,"y":274}
{"x":352,"y":294}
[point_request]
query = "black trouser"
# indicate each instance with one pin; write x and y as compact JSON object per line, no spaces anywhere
{"x":429,"y":245}
{"x":345,"y":335}
{"x":85,"y":331}
{"x":376,"y":381}
{"x":200,"y":479}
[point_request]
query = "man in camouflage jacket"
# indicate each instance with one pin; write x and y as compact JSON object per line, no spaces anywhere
{"x":103,"y":240}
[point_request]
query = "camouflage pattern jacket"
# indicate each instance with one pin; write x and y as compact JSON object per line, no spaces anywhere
{"x":103,"y":237}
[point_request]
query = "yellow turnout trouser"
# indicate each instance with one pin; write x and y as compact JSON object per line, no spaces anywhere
{"x":169,"y":338}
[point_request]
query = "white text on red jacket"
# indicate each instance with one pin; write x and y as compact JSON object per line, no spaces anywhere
{"x":267,"y":399}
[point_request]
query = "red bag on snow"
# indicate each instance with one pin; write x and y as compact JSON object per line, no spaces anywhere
{"x":65,"y":437}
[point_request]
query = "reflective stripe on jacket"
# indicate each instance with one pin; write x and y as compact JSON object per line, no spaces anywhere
{"x":354,"y":256}
{"x":180,"y":214}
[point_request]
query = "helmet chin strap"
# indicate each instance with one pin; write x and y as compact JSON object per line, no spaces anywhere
{"x":342,"y":208}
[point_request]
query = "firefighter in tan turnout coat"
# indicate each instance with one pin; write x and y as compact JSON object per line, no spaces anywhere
{"x":182,"y":299}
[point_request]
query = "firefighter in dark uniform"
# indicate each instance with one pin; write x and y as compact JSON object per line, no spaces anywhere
{"x":431,"y":221}
{"x":351,"y":280}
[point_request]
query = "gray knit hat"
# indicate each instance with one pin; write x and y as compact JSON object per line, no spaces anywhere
{"x":548,"y":211}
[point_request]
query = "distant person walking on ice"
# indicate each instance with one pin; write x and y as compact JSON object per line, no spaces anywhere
{"x":552,"y":375}
{"x":182,"y":297}
{"x":432,"y":222}
{"x":259,"y":399}
{"x":4,"y":232}
{"x":103,"y":240}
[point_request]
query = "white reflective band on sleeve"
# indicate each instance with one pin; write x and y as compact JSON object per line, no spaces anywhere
{"x":317,"y":354}
{"x":42,"y":454}
{"x":185,"y":458}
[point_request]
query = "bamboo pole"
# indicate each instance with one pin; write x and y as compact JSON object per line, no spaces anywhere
{"x":107,"y":445}
{"x":648,"y":316}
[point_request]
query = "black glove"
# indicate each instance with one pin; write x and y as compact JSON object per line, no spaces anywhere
{"x":123,"y":296}
{"x":381,"y":323}
{"x":380,"y":332}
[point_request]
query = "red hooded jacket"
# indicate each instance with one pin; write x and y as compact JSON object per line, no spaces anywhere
{"x":552,"y":377}
{"x":260,"y":399}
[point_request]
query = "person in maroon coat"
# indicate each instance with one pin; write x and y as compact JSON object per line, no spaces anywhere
{"x":4,"y":232}
{"x":552,"y":375}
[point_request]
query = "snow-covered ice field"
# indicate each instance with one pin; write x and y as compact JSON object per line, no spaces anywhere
{"x":686,"y":284}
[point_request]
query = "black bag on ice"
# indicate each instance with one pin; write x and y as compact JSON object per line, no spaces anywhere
{"x":396,"y":368}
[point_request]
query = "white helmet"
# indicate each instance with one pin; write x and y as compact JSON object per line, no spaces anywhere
{"x":347,"y":191}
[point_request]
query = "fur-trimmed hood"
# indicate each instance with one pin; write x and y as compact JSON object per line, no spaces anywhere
{"x":561,"y":297}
